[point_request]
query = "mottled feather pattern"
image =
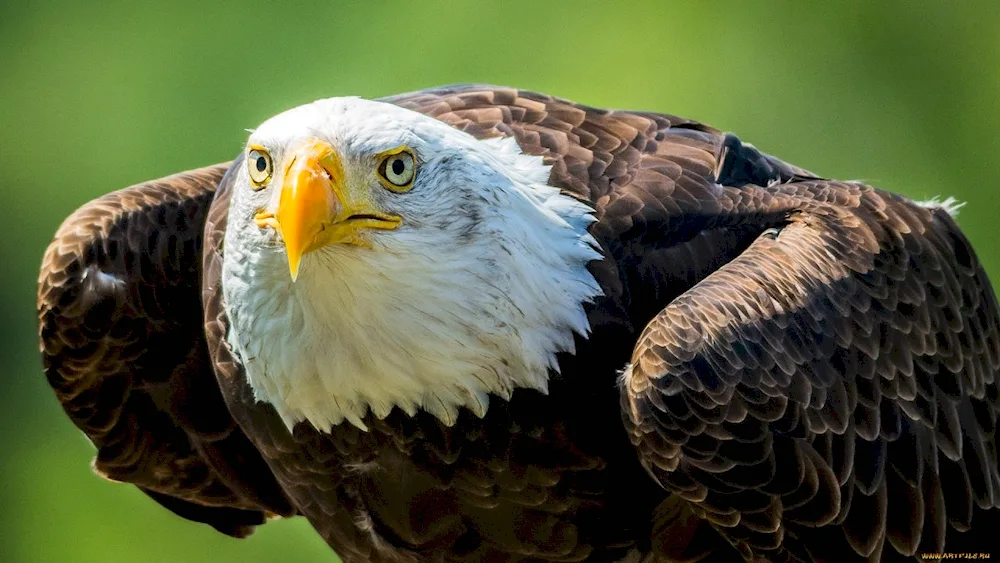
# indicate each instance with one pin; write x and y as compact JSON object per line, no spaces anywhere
{"x":842,"y":346}
{"x":810,"y":369}
{"x":122,"y":347}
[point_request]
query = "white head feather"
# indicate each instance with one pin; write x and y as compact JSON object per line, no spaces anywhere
{"x":475,"y":293}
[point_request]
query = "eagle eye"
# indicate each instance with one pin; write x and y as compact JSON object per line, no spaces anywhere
{"x":259,"y":165}
{"x":397,"y":169}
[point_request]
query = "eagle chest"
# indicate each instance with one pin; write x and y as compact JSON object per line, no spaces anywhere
{"x":523,"y":474}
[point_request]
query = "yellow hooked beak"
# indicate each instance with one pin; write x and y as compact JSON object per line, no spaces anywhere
{"x":318,"y":207}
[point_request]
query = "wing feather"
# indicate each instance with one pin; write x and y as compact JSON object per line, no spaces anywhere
{"x":851,"y":356}
{"x":123,"y":347}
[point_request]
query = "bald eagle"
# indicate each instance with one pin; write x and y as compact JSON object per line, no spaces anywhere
{"x":478,"y":324}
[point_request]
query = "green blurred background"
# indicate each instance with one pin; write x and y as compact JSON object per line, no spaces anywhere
{"x":99,"y":95}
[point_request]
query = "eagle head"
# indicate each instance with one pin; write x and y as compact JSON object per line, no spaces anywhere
{"x":377,"y":258}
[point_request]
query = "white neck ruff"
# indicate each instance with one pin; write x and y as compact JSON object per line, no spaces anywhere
{"x":432,"y":321}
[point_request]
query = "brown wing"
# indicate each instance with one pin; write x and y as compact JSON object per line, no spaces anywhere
{"x":831,"y":393}
{"x":123,"y":346}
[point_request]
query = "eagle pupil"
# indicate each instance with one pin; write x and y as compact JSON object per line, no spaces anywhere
{"x":261,"y":164}
{"x":398,"y":166}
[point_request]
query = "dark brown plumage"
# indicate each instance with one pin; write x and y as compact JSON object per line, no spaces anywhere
{"x":811,"y":369}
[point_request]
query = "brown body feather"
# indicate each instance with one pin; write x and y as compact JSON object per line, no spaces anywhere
{"x":812,"y":369}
